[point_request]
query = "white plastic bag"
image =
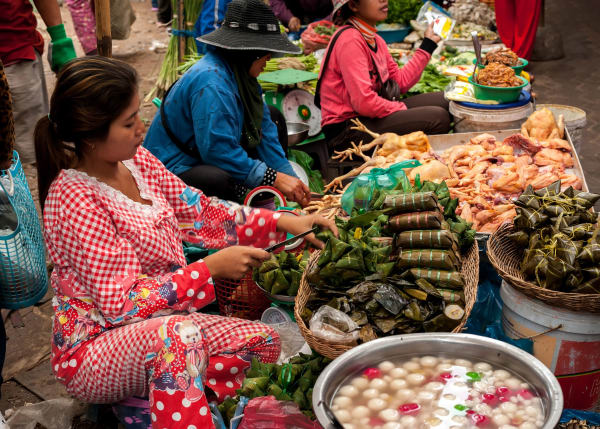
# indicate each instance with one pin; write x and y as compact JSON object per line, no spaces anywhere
{"x":442,"y":22}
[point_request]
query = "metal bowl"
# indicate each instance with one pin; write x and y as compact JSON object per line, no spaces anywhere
{"x":274,"y":297}
{"x":297,"y":132}
{"x":467,"y":346}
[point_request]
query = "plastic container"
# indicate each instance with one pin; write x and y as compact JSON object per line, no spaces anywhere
{"x":396,"y":35}
{"x":468,"y":119}
{"x":518,"y":69}
{"x":575,"y":120}
{"x":567,"y":342}
{"x":499,"y":94}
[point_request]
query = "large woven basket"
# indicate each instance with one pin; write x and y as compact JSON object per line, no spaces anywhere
{"x":470,"y":271}
{"x":506,"y":256}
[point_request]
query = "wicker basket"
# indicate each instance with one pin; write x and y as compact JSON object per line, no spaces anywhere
{"x":470,"y":271}
{"x":506,"y":256}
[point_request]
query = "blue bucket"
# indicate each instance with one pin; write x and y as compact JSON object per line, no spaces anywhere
{"x":23,"y":274}
{"x":394,"y":36}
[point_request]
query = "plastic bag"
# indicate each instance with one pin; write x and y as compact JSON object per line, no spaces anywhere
{"x":268,"y":413}
{"x":360,"y":192}
{"x":52,"y":414}
{"x":463,"y":91}
{"x":442,"y":22}
{"x":315,"y":179}
{"x":313,"y":41}
{"x":486,"y":317}
{"x":333,"y":325}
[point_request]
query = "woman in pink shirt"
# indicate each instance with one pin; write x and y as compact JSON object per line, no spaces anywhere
{"x":358,"y":66}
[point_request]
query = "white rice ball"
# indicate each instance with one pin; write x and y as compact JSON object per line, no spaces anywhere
{"x":512,"y":383}
{"x":398,"y":372}
{"x":360,"y":412}
{"x":386,"y":366}
{"x":449,"y":397}
{"x":425,"y":396}
{"x":508,"y":407}
{"x":415,"y":379}
{"x":405,"y":394}
{"x":349,"y":426}
{"x":411,"y":366}
{"x":528,"y":425}
{"x":408,"y":422}
{"x":460,"y":419}
{"x":508,"y":427}
{"x":500,"y":419}
{"x":342,"y":401}
{"x":532,"y":411}
{"x":444,"y":367}
{"x":482,"y":366}
{"x":377,"y":383}
{"x":389,"y":415}
{"x":343,"y":416}
{"x":434,"y":386}
{"x":349,"y":391}
{"x":376,"y":404}
{"x":391,"y":425}
{"x":441,"y":412}
{"x":429,"y":361}
{"x":463,"y":362}
{"x":501,"y":374}
{"x":387,"y":378}
{"x":483,"y":409}
{"x":398,"y":384}
{"x":360,"y":383}
{"x":371,"y":393}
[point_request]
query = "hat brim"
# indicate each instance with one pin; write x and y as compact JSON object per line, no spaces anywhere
{"x":230,"y":38}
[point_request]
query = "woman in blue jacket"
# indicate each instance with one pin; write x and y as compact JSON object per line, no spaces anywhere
{"x":215,"y":131}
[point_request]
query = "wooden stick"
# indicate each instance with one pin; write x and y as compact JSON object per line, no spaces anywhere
{"x":103,"y":33}
{"x":181,"y":27}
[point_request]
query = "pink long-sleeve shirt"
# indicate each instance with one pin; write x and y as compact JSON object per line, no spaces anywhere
{"x":348,"y":88}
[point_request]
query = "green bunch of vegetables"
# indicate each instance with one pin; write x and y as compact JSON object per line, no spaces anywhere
{"x":403,"y":11}
{"x":325,"y":30}
{"x":431,"y":81}
{"x":293,"y":381}
{"x":281,"y":274}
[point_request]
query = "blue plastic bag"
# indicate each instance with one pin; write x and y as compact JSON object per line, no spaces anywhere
{"x":486,"y":317}
{"x":359,"y":193}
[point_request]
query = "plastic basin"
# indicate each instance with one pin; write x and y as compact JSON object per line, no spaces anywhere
{"x":499,"y":94}
{"x":394,"y":36}
{"x":518,"y":69}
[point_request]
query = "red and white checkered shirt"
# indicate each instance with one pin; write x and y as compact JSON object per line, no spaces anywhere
{"x":117,"y":261}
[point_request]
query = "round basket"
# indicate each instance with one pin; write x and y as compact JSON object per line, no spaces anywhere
{"x":470,"y":272}
{"x":506,"y":256}
{"x":240,"y":298}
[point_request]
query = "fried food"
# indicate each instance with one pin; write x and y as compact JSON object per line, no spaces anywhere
{"x":502,"y":56}
{"x":498,"y":75}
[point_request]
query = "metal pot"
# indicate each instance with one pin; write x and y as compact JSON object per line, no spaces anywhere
{"x":297,"y":132}
{"x":400,"y":347}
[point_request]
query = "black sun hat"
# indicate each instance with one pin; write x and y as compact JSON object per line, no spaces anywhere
{"x":250,"y":25}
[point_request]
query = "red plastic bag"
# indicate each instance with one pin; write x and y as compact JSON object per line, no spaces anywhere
{"x":313,"y":41}
{"x":268,"y":413}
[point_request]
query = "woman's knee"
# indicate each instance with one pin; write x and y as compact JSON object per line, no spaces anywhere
{"x":440,"y":120}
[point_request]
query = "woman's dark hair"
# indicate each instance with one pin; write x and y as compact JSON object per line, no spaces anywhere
{"x":90,"y":93}
{"x":344,"y":13}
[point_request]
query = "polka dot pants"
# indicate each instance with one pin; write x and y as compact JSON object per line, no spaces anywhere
{"x":149,"y":358}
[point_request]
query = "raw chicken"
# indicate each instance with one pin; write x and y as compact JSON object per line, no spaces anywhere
{"x":541,"y":126}
{"x":553,"y":157}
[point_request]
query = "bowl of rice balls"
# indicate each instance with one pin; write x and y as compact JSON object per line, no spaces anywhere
{"x":437,"y":381}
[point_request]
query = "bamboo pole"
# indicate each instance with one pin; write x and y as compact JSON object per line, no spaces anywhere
{"x":181,"y":26}
{"x":103,"y":34}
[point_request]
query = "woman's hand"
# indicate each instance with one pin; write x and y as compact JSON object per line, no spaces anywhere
{"x":298,"y":224}
{"x":234,"y":262}
{"x":293,"y":189}
{"x":294,"y":24}
{"x":431,"y":35}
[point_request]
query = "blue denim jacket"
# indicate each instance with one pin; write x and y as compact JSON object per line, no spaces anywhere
{"x":205,"y":105}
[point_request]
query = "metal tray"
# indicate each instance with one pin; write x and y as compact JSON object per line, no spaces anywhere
{"x":441,"y":142}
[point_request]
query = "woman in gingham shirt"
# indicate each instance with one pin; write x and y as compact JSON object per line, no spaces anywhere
{"x":126,"y":320}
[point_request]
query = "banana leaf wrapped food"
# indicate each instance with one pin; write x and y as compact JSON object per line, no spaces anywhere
{"x":428,"y":258}
{"x":412,"y":202}
{"x":427,"y":239}
{"x":281,"y":274}
{"x":439,"y":278}
{"x":416,"y":220}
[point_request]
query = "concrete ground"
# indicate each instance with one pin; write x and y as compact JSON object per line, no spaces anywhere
{"x":573,"y":80}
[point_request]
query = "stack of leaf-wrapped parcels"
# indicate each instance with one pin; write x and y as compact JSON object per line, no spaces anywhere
{"x":560,"y":233}
{"x":395,"y":269}
{"x":281,"y":274}
{"x":293,"y":381}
